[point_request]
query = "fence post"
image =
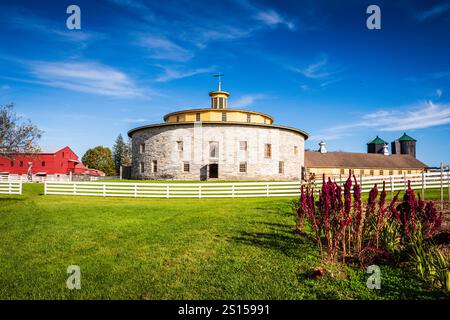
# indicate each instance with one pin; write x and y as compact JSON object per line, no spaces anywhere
{"x":199,"y":191}
{"x":167,"y":191}
{"x":74,"y":189}
{"x":135,"y":190}
{"x":232,"y":190}
{"x":423,"y":185}
{"x":404,"y":181}
{"x":442,"y":186}
{"x":9,"y":187}
{"x":391,"y":181}
{"x":104,"y":190}
{"x":448,"y":181}
{"x":20,"y":187}
{"x":267,"y":190}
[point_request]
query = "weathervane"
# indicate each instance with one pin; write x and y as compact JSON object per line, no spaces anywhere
{"x":219,"y":75}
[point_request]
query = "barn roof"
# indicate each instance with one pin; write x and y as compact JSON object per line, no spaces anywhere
{"x":316,"y":159}
{"x":405,"y":137}
{"x":377,"y":140}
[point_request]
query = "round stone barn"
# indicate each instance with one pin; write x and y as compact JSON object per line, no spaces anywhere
{"x":217,"y":143}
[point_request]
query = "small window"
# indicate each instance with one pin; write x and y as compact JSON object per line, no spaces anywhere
{"x":43,"y":163}
{"x":243,"y":167}
{"x":243,"y":145}
{"x":12,"y":163}
{"x":214,"y":149}
{"x":220,"y":103}
{"x":400,"y":171}
{"x":267,"y":151}
{"x":180,"y":145}
{"x":224,"y":116}
{"x":361,"y":172}
{"x":142,"y":148}
{"x":154,"y":166}
{"x":142,"y":167}
{"x":249,"y":118}
{"x":281,"y":167}
{"x":391,"y":172}
{"x":186,"y":166}
{"x":295,"y":150}
{"x":63,"y":154}
{"x":409,"y":171}
{"x":342,"y":171}
{"x":178,"y":118}
{"x":21,"y":163}
{"x":197,"y":116}
{"x":381,"y":172}
{"x":372,"y":172}
{"x":265,"y":121}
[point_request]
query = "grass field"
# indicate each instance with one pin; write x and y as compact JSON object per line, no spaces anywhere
{"x":171,"y":249}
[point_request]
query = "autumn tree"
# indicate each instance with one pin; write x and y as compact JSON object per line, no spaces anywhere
{"x":17,"y":135}
{"x":99,"y":158}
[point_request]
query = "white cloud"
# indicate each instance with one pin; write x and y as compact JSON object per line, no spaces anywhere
{"x":320,"y":72}
{"x":435,"y":11}
{"x":137,"y":7}
{"x":418,"y":116}
{"x":137,"y":120}
{"x":247,"y":100}
{"x":28,"y":21}
{"x":164,"y":49}
{"x":172,"y":73}
{"x":439,"y":93}
{"x":272,"y":19}
{"x":87,"y":77}
{"x":317,"y":70}
{"x":217,"y":33}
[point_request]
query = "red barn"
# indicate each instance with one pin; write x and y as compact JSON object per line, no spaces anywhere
{"x":49,"y":161}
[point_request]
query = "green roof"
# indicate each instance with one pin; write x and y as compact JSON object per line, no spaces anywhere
{"x":377,"y":140}
{"x":405,"y":137}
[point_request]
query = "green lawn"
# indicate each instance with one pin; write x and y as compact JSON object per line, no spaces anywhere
{"x":170,"y":249}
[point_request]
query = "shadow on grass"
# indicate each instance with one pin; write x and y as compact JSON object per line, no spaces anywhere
{"x":287,"y":243}
{"x":7,"y":200}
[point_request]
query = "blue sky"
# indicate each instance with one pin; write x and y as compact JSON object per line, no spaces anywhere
{"x":311,"y":64}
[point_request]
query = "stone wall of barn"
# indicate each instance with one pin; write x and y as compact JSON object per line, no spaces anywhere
{"x":163,"y":152}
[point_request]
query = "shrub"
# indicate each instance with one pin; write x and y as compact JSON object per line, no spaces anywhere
{"x":376,"y":231}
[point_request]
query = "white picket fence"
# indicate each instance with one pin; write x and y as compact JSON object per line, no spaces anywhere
{"x":35,"y":178}
{"x":236,"y":189}
{"x":175,"y":190}
{"x":10,"y":187}
{"x":430,"y":180}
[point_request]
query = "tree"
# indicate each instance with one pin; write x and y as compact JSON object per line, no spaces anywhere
{"x":99,"y":158}
{"x":121,"y":153}
{"x":15,"y":135}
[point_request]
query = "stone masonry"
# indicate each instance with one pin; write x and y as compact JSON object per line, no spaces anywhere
{"x":171,"y":149}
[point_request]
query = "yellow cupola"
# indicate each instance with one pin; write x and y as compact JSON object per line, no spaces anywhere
{"x":219,"y":98}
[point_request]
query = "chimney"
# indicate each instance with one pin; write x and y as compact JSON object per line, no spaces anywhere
{"x":385,"y":150}
{"x":322,"y":148}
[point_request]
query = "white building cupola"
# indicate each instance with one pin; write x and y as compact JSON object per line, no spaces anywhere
{"x":322,"y":147}
{"x":219,"y":98}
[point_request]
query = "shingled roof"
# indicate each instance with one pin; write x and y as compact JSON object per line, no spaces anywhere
{"x":315,"y":159}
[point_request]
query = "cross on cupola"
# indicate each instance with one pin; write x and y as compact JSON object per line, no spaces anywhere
{"x":219,"y":98}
